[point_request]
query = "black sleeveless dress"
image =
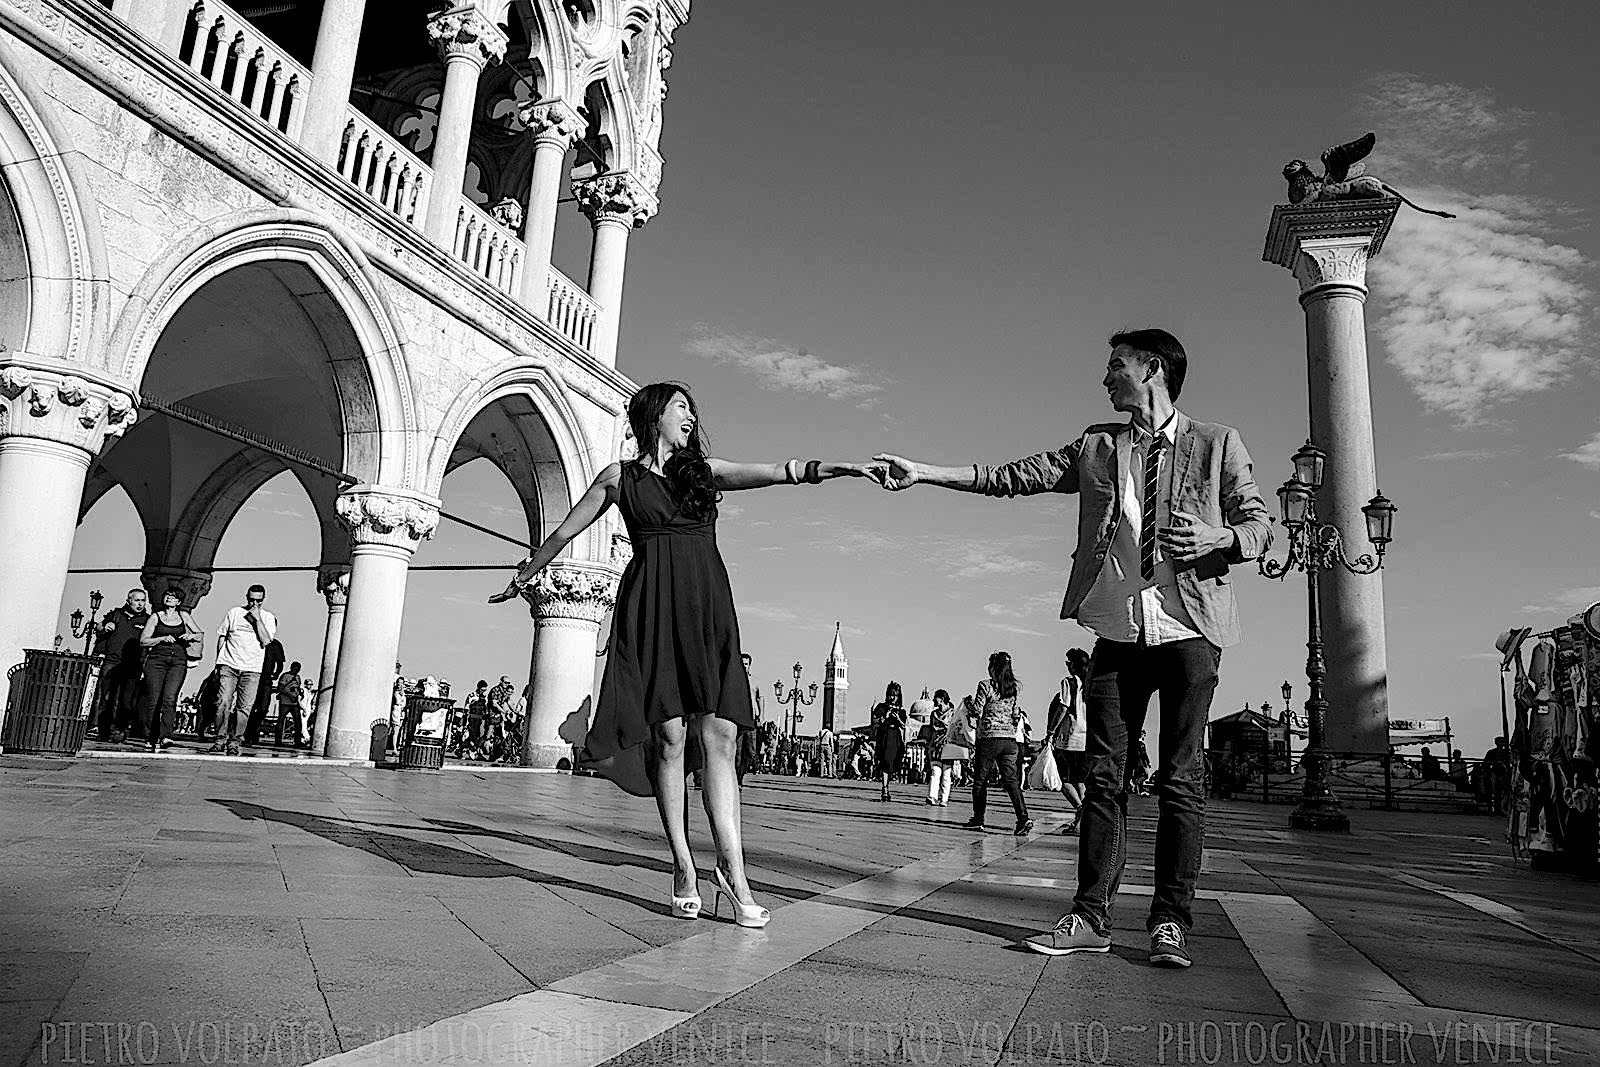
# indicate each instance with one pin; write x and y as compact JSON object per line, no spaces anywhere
{"x":674,"y":648}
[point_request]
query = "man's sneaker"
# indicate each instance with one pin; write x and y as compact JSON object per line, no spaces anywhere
{"x":233,"y":748}
{"x":1072,"y":934}
{"x":972,"y":825}
{"x":216,"y":748}
{"x":1166,"y":946}
{"x":1024,"y":828}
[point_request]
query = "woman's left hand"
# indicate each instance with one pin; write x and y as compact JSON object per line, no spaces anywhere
{"x":511,"y":592}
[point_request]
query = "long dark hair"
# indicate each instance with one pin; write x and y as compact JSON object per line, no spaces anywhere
{"x":1002,"y":675}
{"x":694,"y":487}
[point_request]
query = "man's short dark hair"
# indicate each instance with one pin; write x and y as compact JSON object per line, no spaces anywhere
{"x":1161,"y":346}
{"x":256,"y":589}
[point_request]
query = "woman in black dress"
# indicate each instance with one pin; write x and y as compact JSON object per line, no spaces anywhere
{"x":675,"y":693}
{"x":890,"y":741}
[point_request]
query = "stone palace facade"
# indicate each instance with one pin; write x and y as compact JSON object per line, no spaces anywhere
{"x":315,"y":237}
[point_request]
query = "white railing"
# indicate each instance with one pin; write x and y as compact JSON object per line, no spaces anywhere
{"x":571,"y":310}
{"x":380,"y":166}
{"x":220,"y":46}
{"x":488,"y":248}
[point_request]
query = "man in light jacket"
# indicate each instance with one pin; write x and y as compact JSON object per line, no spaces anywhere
{"x":1166,"y":505}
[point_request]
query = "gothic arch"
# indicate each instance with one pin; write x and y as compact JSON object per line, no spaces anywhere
{"x":377,"y":443}
{"x":552,"y":495}
{"x":51,"y":249}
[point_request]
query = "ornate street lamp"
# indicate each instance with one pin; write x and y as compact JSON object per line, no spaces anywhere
{"x":796,"y":700}
{"x":1288,"y":692}
{"x":1316,"y":546}
{"x":76,"y":619}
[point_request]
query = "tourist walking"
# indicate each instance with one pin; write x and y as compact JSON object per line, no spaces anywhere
{"x":1166,"y":505}
{"x":943,"y":752}
{"x":291,"y":688}
{"x":997,"y":703}
{"x":122,"y":688}
{"x":889,"y":740}
{"x":1068,"y":732}
{"x":675,"y":691}
{"x":242,"y":641}
{"x":166,"y":639}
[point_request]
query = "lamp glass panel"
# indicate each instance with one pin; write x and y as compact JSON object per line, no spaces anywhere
{"x":1308,"y":465}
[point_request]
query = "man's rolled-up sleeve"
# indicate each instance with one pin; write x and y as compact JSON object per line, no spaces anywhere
{"x":1242,"y":503}
{"x":1048,"y":472}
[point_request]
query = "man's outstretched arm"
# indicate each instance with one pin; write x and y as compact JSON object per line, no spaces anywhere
{"x":1047,"y":472}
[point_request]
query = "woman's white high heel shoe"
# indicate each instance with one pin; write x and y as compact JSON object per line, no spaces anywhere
{"x":686,"y":907}
{"x":753,"y":916}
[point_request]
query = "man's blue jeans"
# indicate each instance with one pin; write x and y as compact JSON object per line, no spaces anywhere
{"x":236,"y":695}
{"x":1122,"y":678}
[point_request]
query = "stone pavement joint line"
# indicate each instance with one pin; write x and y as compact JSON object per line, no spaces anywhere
{"x":596,"y":1015}
{"x":1486,"y":906}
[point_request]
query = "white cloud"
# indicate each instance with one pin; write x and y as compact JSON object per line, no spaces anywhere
{"x":1485,"y":308}
{"x":1007,"y":628}
{"x":780,"y":367}
{"x":1565,"y":602}
{"x":767,"y":612}
{"x":1587,"y":454}
{"x":997,"y":609}
{"x":1465,"y":453}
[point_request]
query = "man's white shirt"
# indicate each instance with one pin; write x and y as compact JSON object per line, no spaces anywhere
{"x":1121,"y":604}
{"x":238,"y":646}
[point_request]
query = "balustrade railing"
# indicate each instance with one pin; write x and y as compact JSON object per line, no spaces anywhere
{"x":222,"y":47}
{"x":380,"y":166}
{"x":488,"y":248}
{"x":570,"y":310}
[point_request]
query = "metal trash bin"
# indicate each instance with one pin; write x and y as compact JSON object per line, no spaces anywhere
{"x":423,"y":733}
{"x":49,"y":701}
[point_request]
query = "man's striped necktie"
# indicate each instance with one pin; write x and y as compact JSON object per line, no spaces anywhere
{"x":1147,"y":522}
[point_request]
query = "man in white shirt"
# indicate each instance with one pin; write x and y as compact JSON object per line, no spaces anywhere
{"x":242,"y":642}
{"x":1166,"y":505}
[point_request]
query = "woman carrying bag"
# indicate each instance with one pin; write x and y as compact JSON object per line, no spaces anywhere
{"x":1000,"y":737}
{"x":944,"y":748}
{"x":169,"y":640}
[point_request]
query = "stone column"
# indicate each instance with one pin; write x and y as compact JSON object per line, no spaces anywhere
{"x":467,"y":41}
{"x":617,"y":205}
{"x":194,"y":583}
{"x":333,"y":69}
{"x":386,"y":526}
{"x":334,"y":582}
{"x":554,"y":126}
{"x":1327,"y":246}
{"x":568,"y":600}
{"x":52,"y":423}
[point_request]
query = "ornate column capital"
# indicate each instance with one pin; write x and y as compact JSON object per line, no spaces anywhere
{"x":333,"y":582}
{"x":467,"y":33}
{"x":1333,"y":262}
{"x":615,"y":198}
{"x":60,"y":402}
{"x":396,"y":518}
{"x":194,"y":584}
{"x":1327,"y":244}
{"x":553,"y":121}
{"x":574,"y":590}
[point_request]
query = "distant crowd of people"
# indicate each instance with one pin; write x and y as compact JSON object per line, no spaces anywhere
{"x":149,"y":654}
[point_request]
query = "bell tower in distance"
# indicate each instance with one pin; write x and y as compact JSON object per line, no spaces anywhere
{"x":835,"y":684}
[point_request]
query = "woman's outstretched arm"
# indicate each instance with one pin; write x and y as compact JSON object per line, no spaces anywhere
{"x":601,"y":495}
{"x":731,"y":475}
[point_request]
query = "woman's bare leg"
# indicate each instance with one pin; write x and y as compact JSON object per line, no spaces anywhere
{"x":720,"y":793}
{"x":665,"y":760}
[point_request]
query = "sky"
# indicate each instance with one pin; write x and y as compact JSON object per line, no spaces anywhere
{"x":914,"y":229}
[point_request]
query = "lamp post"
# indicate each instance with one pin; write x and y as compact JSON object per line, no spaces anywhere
{"x":76,"y":618}
{"x":1316,"y":546}
{"x":796,"y":700}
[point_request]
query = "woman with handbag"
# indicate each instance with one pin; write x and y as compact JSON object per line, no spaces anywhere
{"x":944,"y":751}
{"x":890,"y":717}
{"x":1000,"y":736}
{"x":169,"y":640}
